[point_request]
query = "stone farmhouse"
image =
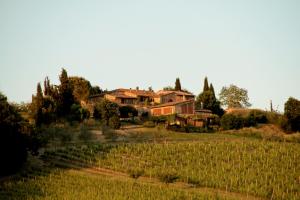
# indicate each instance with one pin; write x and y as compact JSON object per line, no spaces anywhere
{"x":163,"y":102}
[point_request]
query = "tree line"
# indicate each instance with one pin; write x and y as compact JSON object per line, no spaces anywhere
{"x":63,"y":103}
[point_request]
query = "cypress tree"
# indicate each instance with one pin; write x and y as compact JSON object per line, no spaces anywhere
{"x":177,"y":85}
{"x":39,"y":96}
{"x":206,"y":87}
{"x":212,"y":90}
{"x":66,"y":98}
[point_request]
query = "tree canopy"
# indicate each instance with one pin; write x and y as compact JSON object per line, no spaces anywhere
{"x":234,"y":97}
{"x":292,"y":113}
{"x":13,"y":151}
{"x":207,"y":99}
{"x":177,"y":85}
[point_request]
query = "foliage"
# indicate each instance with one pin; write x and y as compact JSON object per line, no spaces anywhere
{"x":128,"y":111}
{"x":206,"y":87}
{"x":292,"y":113}
{"x":114,"y":122}
{"x":12,"y":142}
{"x":234,"y":97}
{"x":208,"y":100}
{"x":94,"y":90}
{"x":177,"y":85}
{"x":77,"y":113}
{"x":169,"y":88}
{"x":259,"y":116}
{"x":230,"y":121}
{"x":80,"y":88}
{"x":108,"y":112}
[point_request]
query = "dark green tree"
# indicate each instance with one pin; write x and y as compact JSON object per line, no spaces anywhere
{"x":108,"y":110}
{"x":37,"y":105}
{"x":292,"y":113}
{"x":168,"y":88}
{"x":212,"y":90}
{"x":13,"y":151}
{"x":80,"y":87}
{"x":208,"y":100}
{"x":94,"y":90}
{"x":66,"y":98}
{"x":177,"y":85}
{"x":205,"y":87}
{"x":128,"y":111}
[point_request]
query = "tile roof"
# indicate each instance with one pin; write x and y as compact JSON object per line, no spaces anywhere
{"x":135,"y":92}
{"x":173,"y":103}
{"x":165,"y":92}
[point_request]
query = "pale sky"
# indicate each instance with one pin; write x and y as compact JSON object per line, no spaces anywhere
{"x":254,"y":44}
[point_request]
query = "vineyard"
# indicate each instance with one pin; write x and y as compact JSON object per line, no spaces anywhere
{"x":250,"y":167}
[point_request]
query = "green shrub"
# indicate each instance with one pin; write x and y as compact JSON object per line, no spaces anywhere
{"x":128,"y":111}
{"x":114,"y":122}
{"x":230,"y":121}
{"x":259,"y":116}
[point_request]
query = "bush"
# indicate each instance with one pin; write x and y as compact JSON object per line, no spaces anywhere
{"x":149,"y":124}
{"x":292,"y":114}
{"x":114,"y":122}
{"x":259,"y":116}
{"x":128,"y":111}
{"x":230,"y":121}
{"x":77,"y":113}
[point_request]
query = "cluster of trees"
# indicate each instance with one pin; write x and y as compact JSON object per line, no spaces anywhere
{"x":62,"y":101}
{"x":108,"y":112}
{"x":207,"y":99}
{"x":177,"y":87}
{"x":14,"y":138}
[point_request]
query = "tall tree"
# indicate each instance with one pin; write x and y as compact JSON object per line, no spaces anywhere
{"x":109,"y":113}
{"x":13,"y":151}
{"x":205,"y":87}
{"x":66,"y":98}
{"x":80,"y":87}
{"x":234,"y":97}
{"x":177,"y":85}
{"x":212,"y":90}
{"x":292,"y":113}
{"x":207,"y":99}
{"x":37,"y":105}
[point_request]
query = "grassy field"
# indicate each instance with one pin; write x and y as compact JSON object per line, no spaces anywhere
{"x":157,"y":164}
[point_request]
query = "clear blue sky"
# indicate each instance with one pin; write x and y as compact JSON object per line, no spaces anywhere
{"x":254,"y":44}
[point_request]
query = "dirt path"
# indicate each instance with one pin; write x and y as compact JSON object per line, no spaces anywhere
{"x":154,"y":181}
